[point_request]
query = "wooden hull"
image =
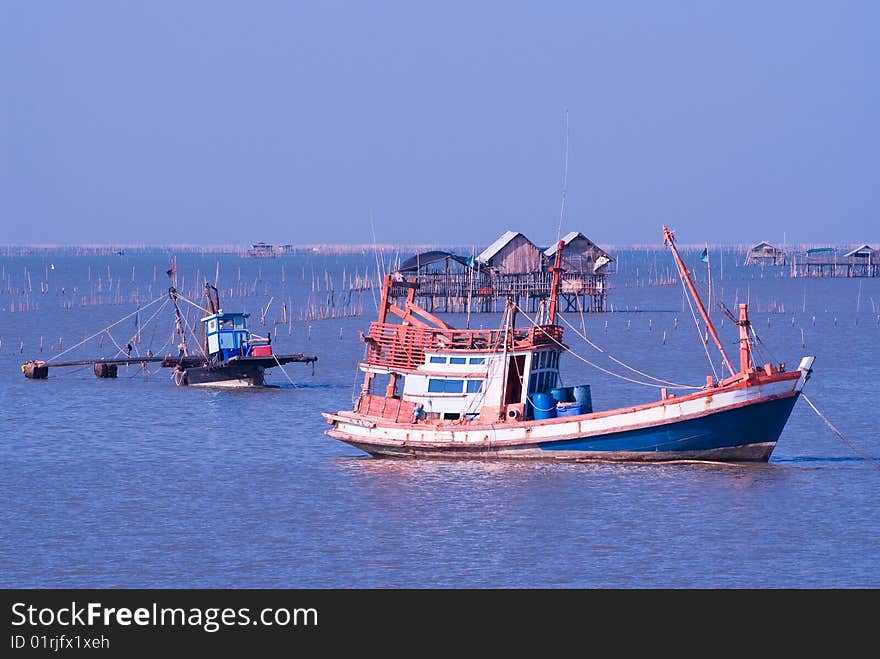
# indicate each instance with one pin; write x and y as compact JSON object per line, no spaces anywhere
{"x":737,"y":424}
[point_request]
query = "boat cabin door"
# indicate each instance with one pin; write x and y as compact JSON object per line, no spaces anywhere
{"x":516,"y":366}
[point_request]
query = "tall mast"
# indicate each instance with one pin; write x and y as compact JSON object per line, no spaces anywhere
{"x":554,"y":289}
{"x":669,"y":239}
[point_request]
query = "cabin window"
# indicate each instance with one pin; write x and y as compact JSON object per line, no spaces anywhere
{"x":542,"y":363}
{"x":212,"y":325}
{"x":474,"y":386}
{"x":239,"y":322}
{"x":477,"y":360}
{"x":437,"y":386}
{"x":457,"y":360}
{"x":438,"y":360}
{"x":551,"y":379}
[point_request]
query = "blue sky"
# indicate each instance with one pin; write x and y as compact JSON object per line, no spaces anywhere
{"x":230,"y":122}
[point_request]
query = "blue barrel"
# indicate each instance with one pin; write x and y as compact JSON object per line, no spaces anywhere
{"x":563,"y":394}
{"x":568,"y":409}
{"x":544,"y":406}
{"x":584,"y":397}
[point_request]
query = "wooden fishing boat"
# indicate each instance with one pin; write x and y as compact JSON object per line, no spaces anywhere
{"x":493,"y":394}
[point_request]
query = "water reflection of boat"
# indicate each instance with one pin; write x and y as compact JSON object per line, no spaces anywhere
{"x":493,"y":393}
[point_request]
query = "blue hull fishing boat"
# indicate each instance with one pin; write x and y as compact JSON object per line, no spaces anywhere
{"x":494,"y":394}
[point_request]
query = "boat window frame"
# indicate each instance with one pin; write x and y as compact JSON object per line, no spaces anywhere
{"x":478,"y":386}
{"x":447,"y":385}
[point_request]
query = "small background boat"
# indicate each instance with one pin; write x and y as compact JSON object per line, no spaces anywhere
{"x":227,"y":355}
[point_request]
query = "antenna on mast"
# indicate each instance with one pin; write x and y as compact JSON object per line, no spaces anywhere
{"x":564,"y":180}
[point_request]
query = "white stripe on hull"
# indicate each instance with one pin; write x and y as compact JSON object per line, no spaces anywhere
{"x":226,"y":384}
{"x":471,"y":436}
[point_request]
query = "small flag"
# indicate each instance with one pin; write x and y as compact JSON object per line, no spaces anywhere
{"x":704,"y":256}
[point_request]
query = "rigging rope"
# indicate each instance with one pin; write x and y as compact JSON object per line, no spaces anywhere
{"x":614,"y":359}
{"x":839,"y":434}
{"x":697,"y":325}
{"x":594,"y":365}
{"x":188,"y":301}
{"x":103,"y":329}
{"x":192,"y":332}
{"x":120,"y":349}
{"x":149,"y":320}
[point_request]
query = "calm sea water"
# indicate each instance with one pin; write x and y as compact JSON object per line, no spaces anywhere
{"x":137,"y":483}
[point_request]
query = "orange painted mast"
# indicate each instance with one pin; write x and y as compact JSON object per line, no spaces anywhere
{"x":745,"y":349}
{"x":669,"y":239}
{"x":557,"y":271}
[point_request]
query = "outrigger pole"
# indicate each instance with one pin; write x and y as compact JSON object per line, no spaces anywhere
{"x":669,"y":241}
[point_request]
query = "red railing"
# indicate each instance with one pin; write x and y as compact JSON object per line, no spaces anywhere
{"x":404,"y":346}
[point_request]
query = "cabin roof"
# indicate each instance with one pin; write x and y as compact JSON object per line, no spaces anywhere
{"x":223,"y":315}
{"x":864,"y":250}
{"x":568,"y":238}
{"x":498,"y":245}
{"x":413,"y":263}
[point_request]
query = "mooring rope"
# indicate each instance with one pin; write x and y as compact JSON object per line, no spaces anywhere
{"x":617,"y":361}
{"x":839,"y":434}
{"x":293,"y":384}
{"x":593,"y":364}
